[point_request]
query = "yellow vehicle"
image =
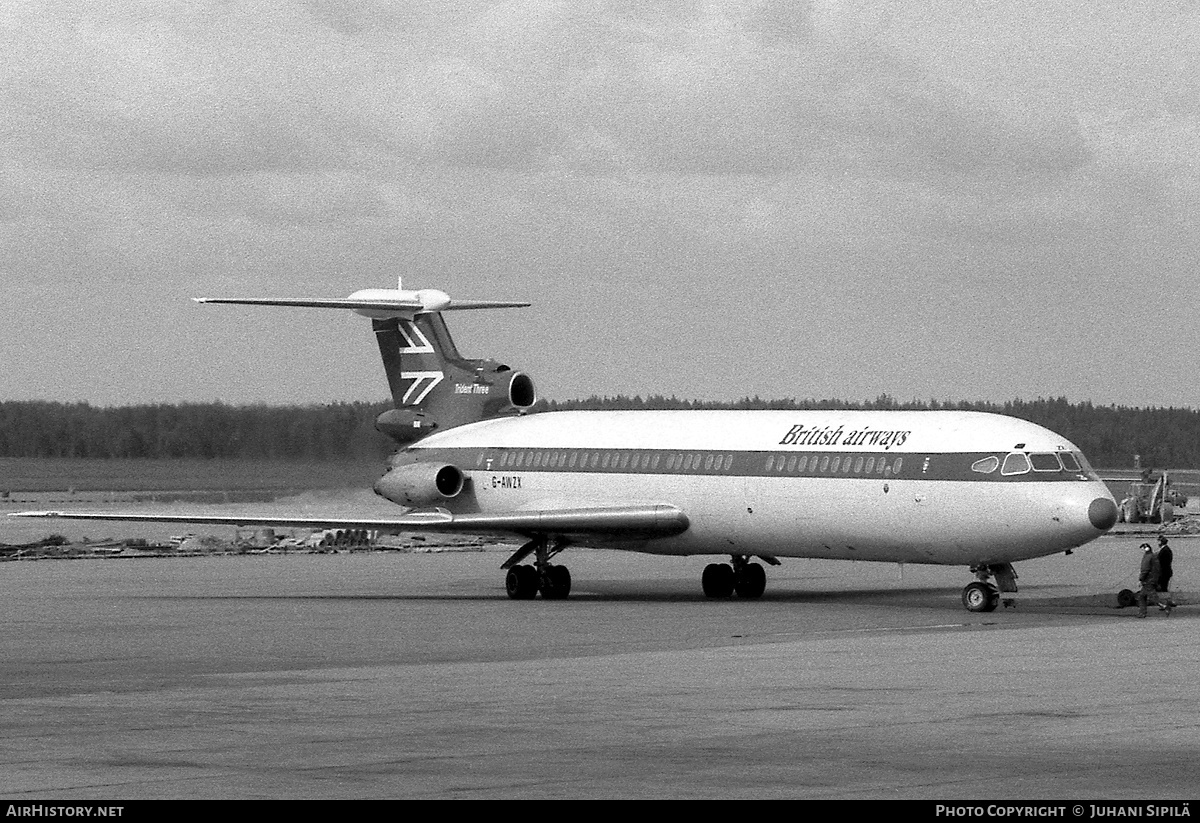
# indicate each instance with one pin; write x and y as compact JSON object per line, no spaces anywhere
{"x":1151,"y":502}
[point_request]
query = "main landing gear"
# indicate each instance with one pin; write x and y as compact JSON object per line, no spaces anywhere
{"x":982,"y":596}
{"x":524,"y":582}
{"x":721,"y":580}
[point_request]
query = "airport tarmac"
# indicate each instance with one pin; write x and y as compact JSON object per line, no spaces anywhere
{"x":413,"y":676}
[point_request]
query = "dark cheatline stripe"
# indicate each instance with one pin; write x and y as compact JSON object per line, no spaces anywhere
{"x":715,"y":462}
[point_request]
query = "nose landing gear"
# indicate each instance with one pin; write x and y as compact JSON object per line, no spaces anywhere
{"x":982,"y":596}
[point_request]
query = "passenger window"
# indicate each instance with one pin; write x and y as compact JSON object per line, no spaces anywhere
{"x":708,"y":459}
{"x":870,"y":465}
{"x":1045,"y":462}
{"x":986,"y":466}
{"x":770,"y":462}
{"x":1015,"y":463}
{"x":803,"y":464}
{"x":607,"y":461}
{"x":824,"y":462}
{"x":858,"y":464}
{"x":791,"y":464}
{"x":897,"y":465}
{"x":835,"y":464}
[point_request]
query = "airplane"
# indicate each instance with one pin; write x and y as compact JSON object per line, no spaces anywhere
{"x":962,"y":488}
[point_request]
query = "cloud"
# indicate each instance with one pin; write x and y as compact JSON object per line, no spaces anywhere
{"x":716,"y":88}
{"x":669,"y":151}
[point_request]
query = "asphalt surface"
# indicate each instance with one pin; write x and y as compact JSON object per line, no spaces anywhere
{"x":413,"y":676}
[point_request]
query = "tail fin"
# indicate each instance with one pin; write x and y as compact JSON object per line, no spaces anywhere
{"x":432,"y":385}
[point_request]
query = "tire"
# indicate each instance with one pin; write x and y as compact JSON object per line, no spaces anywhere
{"x":521,"y":582}
{"x":556,"y":583}
{"x":980,"y":597}
{"x":752,"y":582}
{"x":717,"y":580}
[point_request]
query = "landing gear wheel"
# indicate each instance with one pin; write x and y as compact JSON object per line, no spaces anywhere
{"x":980,"y":597}
{"x":555,"y":583}
{"x":751,"y":581}
{"x":717,"y":580}
{"x":521,"y":582}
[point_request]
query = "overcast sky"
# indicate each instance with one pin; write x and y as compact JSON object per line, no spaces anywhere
{"x":950,"y":199}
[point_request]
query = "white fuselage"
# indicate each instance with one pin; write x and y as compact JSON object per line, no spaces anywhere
{"x":942,"y":487}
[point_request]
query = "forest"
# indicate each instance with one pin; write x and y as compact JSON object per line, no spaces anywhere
{"x":1110,"y":436}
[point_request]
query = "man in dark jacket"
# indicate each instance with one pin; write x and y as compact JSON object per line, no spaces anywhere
{"x":1165,"y":558}
{"x":1148,"y":576}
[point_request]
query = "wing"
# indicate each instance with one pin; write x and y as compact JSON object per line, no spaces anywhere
{"x":617,"y":521}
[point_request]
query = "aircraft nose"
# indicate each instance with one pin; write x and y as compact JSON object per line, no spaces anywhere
{"x":1103,"y":513}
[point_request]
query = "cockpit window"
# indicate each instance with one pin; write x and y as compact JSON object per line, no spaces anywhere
{"x":986,"y":466}
{"x":1069,"y":462}
{"x":1045,"y":462}
{"x":1015,"y":463}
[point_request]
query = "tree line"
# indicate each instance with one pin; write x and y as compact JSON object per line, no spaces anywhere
{"x":334,"y":431}
{"x":1109,"y":435}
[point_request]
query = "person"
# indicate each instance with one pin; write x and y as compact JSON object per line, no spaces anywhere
{"x":1165,"y":559}
{"x":1148,"y":577}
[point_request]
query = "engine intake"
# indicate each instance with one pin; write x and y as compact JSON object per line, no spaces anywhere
{"x":521,"y":392}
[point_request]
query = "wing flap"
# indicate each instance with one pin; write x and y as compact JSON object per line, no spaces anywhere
{"x":647,"y":520}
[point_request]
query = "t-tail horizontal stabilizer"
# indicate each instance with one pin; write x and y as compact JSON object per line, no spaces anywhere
{"x":378,"y":304}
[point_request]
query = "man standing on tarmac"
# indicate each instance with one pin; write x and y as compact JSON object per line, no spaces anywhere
{"x":1148,"y":577}
{"x":1165,"y":557}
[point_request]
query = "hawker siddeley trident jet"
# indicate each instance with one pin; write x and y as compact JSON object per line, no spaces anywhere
{"x":943,"y":487}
